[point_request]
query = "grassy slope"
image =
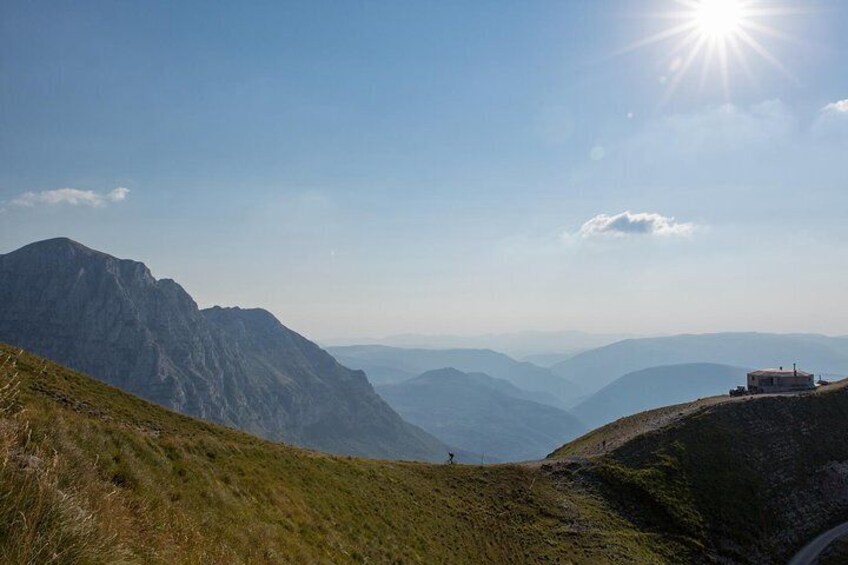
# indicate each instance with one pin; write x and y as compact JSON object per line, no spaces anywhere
{"x":751,"y":479}
{"x":836,"y":553}
{"x":91,"y":474}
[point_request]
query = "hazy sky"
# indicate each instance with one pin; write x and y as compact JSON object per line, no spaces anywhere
{"x":367,"y":168}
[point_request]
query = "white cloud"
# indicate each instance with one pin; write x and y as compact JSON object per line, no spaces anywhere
{"x":71,"y":196}
{"x":118,"y":194}
{"x":628,"y":224}
{"x":831,"y":126}
{"x":838,"y":107}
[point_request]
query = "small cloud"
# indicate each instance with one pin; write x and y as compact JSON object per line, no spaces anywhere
{"x":628,"y":224}
{"x":838,"y":107}
{"x":71,"y":197}
{"x":117,"y":194}
{"x":832,"y":122}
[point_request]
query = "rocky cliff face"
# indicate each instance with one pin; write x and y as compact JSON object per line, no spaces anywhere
{"x":110,"y":318}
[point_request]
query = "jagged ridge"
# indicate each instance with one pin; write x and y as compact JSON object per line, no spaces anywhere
{"x":112,"y":319}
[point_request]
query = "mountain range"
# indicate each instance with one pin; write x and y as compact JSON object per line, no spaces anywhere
{"x":519,"y":345}
{"x":657,"y":386}
{"x":481,"y":414}
{"x":386,"y":365}
{"x":112,"y":319}
{"x":593,"y":370}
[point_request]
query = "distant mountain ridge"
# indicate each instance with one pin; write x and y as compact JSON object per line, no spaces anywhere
{"x":655,"y":387}
{"x":481,"y":414}
{"x":385,"y":365}
{"x":515,"y":344}
{"x":112,"y":319}
{"x":595,"y":369}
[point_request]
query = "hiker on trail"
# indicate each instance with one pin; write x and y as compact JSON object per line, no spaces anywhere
{"x":604,"y":443}
{"x":450,"y":457}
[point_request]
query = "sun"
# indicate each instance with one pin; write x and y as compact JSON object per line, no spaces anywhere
{"x":718,"y":18}
{"x":721,"y":35}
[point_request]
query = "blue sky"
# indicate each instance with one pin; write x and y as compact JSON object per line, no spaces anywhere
{"x":367,"y":168}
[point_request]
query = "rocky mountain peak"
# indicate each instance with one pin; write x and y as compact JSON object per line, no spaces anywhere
{"x":112,"y":319}
{"x":63,"y":255}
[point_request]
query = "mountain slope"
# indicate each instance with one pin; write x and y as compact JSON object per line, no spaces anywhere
{"x":375,"y":359}
{"x":655,"y":387}
{"x":815,"y":353}
{"x":95,"y":475}
{"x":751,"y":479}
{"x":110,"y":318}
{"x":548,"y":360}
{"x":481,"y":414}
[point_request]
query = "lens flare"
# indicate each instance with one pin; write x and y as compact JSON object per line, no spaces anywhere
{"x":720,"y":34}
{"x":718,"y":18}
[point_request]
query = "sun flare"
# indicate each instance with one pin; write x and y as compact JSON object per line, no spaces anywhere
{"x":718,"y":18}
{"x":720,"y":35}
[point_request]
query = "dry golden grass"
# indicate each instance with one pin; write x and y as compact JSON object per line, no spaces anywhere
{"x":93,"y":475}
{"x":45,"y":519}
{"x":89,"y":474}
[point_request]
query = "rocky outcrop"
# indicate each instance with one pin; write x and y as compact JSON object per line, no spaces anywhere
{"x":112,"y":319}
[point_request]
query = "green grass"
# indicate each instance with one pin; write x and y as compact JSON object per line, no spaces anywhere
{"x":89,"y":474}
{"x":122,"y":480}
{"x":749,"y":481}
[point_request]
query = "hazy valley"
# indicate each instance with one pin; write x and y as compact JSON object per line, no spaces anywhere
{"x":655,"y":486}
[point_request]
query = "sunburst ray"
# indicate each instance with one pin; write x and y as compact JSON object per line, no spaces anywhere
{"x":719,"y":33}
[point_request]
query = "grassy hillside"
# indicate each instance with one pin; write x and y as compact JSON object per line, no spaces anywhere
{"x":96,"y":475}
{"x":752,"y":479}
{"x":93,"y":475}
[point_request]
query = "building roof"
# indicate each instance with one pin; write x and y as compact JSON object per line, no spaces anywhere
{"x":779,"y":373}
